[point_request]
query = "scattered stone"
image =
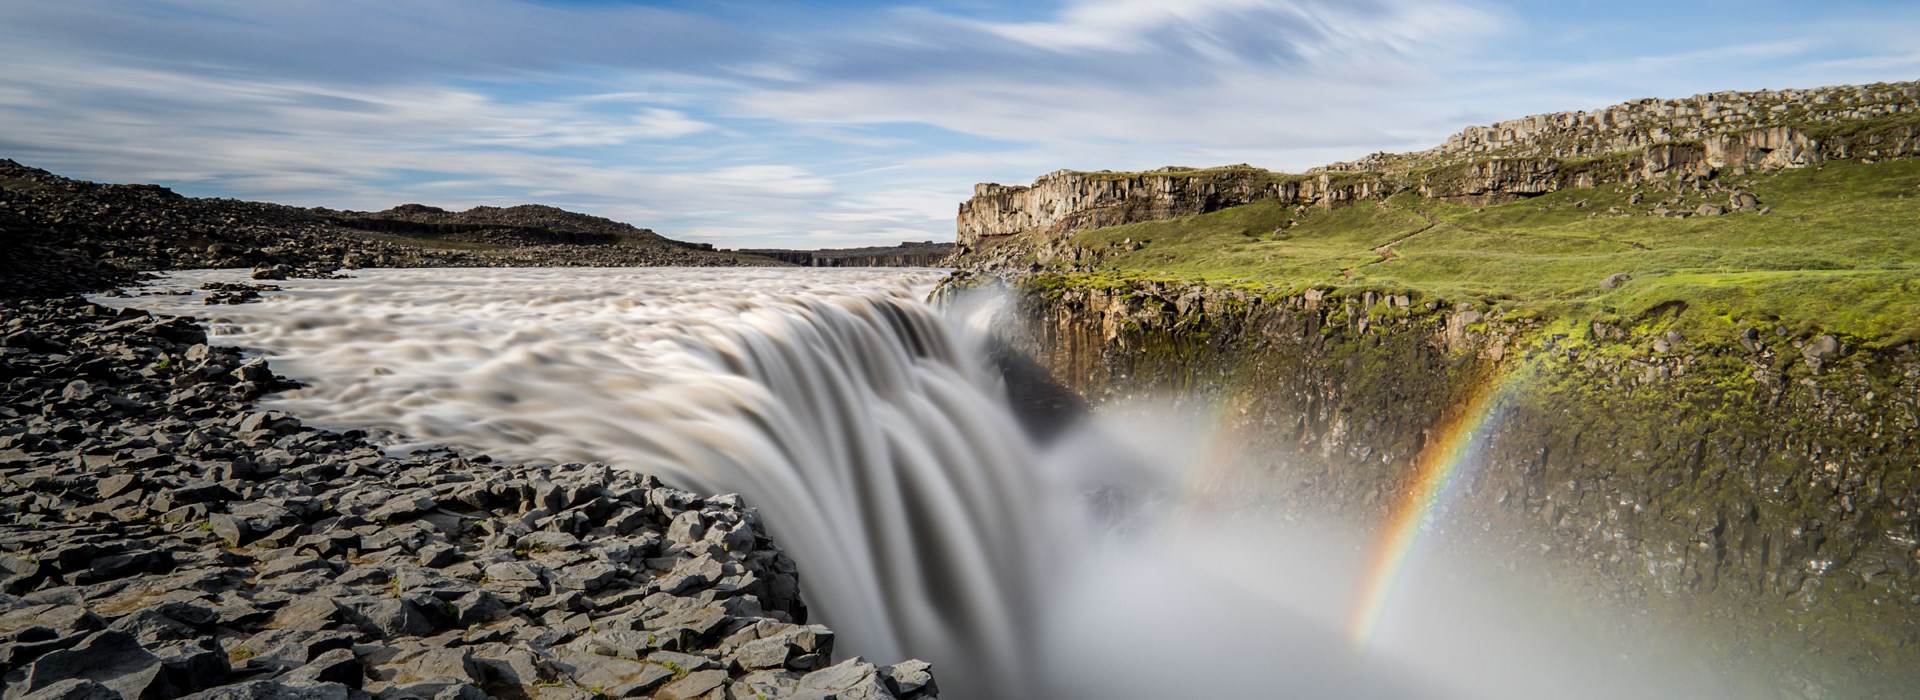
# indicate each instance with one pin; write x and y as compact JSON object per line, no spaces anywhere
{"x":206,"y":549}
{"x":74,"y":689}
{"x":694,"y":685}
{"x":910,"y":677}
{"x":853,"y":679}
{"x":274,"y":690}
{"x":111,"y":658}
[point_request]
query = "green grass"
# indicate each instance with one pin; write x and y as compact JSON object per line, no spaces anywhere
{"x":1839,"y":253}
{"x":1180,"y":172}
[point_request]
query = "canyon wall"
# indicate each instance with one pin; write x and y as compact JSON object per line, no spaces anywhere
{"x":1065,"y":201}
{"x":1689,"y":139}
{"x":1764,"y":494}
{"x":907,"y":254}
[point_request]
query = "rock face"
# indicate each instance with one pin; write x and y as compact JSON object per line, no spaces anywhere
{"x":1767,"y":128}
{"x":1690,"y":139}
{"x":160,"y":539}
{"x":907,"y":254}
{"x":1065,"y":201}
{"x":1766,"y":478}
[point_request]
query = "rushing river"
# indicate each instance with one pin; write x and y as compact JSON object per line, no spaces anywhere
{"x":875,"y":437}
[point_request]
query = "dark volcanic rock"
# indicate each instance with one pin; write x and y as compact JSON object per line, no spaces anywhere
{"x":111,"y":658}
{"x":159,"y":538}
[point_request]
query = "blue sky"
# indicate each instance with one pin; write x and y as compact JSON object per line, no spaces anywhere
{"x":826,"y":124}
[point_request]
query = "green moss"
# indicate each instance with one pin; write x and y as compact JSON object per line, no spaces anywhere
{"x":1661,"y":458}
{"x":1227,"y":171}
{"x":679,"y":671}
{"x":1858,"y":132}
{"x":1838,"y":253}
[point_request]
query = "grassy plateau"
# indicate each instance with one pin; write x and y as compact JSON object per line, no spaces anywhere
{"x":1837,"y":251}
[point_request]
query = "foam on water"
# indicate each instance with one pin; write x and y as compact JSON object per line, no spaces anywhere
{"x":875,"y":439}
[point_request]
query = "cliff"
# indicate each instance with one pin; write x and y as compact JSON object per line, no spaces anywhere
{"x":1694,"y":317}
{"x":1066,"y":201}
{"x":907,"y":254}
{"x":1755,"y":495}
{"x":1692,"y":139}
{"x":1766,"y":128}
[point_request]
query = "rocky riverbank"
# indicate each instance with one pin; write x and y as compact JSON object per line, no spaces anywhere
{"x":159,"y":538}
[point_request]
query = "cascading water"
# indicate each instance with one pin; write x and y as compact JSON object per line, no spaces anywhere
{"x":875,"y":439}
{"x":840,"y":406}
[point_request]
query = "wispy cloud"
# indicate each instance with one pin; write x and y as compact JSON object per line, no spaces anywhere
{"x":1239,"y":72}
{"x":781,"y":125}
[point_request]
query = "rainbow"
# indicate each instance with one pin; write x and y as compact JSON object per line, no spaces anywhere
{"x":1456,"y":440}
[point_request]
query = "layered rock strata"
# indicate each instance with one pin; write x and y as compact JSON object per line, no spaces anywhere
{"x":1762,"y":496}
{"x":907,"y":254}
{"x":1693,"y":139}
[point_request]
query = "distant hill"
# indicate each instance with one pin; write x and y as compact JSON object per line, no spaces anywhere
{"x":65,"y":235}
{"x":523,"y":225}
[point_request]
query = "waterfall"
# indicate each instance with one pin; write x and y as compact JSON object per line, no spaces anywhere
{"x":874,"y":436}
{"x":873,"y":439}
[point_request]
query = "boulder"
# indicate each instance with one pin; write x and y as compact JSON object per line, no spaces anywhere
{"x":619,"y":677}
{"x":73,"y":689}
{"x":336,"y":666}
{"x":693,"y":685}
{"x":911,"y":677}
{"x":111,"y":658}
{"x":274,"y":690}
{"x":853,"y":679}
{"x":387,"y":618}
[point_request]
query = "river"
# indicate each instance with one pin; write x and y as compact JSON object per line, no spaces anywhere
{"x":874,"y":435}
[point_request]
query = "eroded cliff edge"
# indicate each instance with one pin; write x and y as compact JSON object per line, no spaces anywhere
{"x":1693,"y":312}
{"x":1762,"y":497}
{"x":1692,"y":139}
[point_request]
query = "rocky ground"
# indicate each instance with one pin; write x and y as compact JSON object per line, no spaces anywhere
{"x":159,"y":538}
{"x":63,"y":235}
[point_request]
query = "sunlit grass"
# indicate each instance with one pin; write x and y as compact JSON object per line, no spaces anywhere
{"x":1838,"y":252}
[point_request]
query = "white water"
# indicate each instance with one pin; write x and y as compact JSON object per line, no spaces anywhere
{"x":877,"y":444}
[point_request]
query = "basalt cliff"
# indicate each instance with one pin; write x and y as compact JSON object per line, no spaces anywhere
{"x":1698,"y":389}
{"x":1693,"y":140}
{"x":907,"y":254}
